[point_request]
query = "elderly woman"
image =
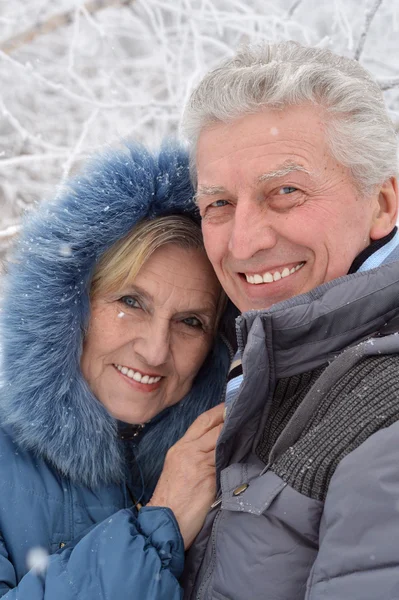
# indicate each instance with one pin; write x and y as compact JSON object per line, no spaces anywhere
{"x":110,"y":352}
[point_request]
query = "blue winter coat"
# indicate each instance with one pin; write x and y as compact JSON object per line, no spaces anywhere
{"x":69,"y":471}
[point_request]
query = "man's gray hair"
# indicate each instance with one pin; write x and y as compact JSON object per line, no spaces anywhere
{"x":359,"y":130}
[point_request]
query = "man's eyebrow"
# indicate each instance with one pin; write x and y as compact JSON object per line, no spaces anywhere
{"x":209,"y":190}
{"x":284,"y":169}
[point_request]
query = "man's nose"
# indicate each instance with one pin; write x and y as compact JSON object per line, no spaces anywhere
{"x":153,"y":346}
{"x":252,"y":230}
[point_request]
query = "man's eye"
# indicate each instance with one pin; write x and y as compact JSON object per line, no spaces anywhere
{"x":130,"y":302}
{"x":192,"y":322}
{"x":287,"y":189}
{"x":219,"y":203}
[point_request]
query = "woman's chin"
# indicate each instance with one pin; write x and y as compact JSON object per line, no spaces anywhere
{"x":133,"y":417}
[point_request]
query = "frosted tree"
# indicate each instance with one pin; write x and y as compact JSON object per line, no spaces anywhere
{"x":77,"y":75}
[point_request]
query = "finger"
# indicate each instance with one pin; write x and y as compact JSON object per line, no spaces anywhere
{"x":205,"y":422}
{"x":207,"y":442}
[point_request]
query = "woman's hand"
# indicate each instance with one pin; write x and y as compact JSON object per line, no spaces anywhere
{"x":187,"y":484}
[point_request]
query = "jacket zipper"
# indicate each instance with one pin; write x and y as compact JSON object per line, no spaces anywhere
{"x":216,"y":503}
{"x":68,"y":515}
{"x":205,"y":585}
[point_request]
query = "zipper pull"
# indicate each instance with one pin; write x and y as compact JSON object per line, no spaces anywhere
{"x":217,"y":502}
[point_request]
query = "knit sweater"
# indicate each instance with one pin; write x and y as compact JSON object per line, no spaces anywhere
{"x":360,"y":404}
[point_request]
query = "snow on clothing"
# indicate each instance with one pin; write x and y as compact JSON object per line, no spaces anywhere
{"x":308,"y":457}
{"x":68,"y":479}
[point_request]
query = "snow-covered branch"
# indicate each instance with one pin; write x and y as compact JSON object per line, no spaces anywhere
{"x":75,"y":76}
{"x":293,"y":8}
{"x":388,"y":84}
{"x":52,"y":23}
{"x":369,"y":16}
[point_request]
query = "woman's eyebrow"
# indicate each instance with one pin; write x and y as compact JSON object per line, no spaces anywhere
{"x":207,"y":310}
{"x":132,"y":287}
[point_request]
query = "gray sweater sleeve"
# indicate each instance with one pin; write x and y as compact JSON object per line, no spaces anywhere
{"x":358,"y":556}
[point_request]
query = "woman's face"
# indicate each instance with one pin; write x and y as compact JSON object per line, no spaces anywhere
{"x":146,"y":343}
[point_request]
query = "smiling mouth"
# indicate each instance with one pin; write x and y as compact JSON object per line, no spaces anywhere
{"x":137,"y":376}
{"x":271,"y":277}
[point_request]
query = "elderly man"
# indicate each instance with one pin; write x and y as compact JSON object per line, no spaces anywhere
{"x":295,"y":160}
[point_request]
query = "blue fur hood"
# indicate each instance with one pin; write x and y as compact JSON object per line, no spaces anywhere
{"x":44,"y":398}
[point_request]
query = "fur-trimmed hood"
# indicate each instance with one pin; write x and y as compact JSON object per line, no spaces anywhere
{"x":44,"y":398}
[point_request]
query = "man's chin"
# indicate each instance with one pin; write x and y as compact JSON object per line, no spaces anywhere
{"x":262,"y":301}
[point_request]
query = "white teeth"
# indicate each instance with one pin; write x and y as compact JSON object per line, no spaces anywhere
{"x":270,"y":277}
{"x":137,"y":376}
{"x":267,"y":278}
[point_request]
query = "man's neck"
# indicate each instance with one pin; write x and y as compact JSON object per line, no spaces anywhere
{"x":361,"y":262}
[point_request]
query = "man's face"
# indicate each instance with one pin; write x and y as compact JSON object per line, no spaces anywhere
{"x":279,"y":215}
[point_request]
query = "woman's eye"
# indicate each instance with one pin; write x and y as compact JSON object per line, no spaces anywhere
{"x":192,"y":322}
{"x":130,"y":302}
{"x":287,"y":189}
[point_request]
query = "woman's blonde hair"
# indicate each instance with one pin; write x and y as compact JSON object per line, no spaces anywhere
{"x":122,"y":261}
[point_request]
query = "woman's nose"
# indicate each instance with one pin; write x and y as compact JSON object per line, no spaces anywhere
{"x":153,"y":344}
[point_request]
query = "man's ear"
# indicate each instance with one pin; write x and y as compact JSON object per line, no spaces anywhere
{"x":386,"y":211}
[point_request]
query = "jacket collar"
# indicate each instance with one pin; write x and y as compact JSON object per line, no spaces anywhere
{"x":309,"y":330}
{"x":299,"y":335}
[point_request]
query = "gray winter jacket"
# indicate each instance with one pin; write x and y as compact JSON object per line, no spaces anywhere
{"x":318,"y":520}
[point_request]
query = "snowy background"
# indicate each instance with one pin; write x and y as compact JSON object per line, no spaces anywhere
{"x":77,"y":75}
